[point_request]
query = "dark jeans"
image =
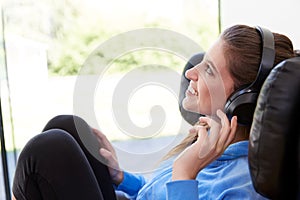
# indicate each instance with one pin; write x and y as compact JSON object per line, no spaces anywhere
{"x":56,"y":165}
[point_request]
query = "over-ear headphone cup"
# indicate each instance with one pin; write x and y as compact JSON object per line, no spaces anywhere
{"x":244,"y":113}
{"x":242,"y":106}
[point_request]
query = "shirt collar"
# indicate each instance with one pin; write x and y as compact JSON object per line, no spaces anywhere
{"x":235,"y":150}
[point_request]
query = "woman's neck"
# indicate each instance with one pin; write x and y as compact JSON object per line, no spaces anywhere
{"x":242,"y":133}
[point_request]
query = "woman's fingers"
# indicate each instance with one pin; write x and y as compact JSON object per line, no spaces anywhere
{"x":206,"y":120}
{"x":104,"y":142}
{"x":203,"y":144}
{"x":225,"y":126}
{"x":228,"y":129}
{"x":225,"y":129}
{"x":108,"y":152}
{"x":232,"y":133}
{"x":214,"y":130}
{"x":100,"y":136}
{"x":113,"y":166}
{"x":221,"y":132}
{"x":105,"y":153}
{"x":108,"y":156}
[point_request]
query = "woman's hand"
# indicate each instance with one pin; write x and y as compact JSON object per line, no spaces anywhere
{"x":207,"y":148}
{"x":108,"y":152}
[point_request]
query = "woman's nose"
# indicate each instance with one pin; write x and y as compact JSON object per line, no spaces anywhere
{"x":191,"y":74}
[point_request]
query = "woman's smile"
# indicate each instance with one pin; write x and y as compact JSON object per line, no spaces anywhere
{"x":191,"y":91}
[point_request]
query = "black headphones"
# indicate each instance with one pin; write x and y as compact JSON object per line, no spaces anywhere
{"x":243,"y":101}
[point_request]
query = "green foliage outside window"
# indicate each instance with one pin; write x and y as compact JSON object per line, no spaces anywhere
{"x":72,"y":29}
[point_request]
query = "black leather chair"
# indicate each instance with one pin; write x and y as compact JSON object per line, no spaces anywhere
{"x":274,"y":150}
{"x":188,"y":116}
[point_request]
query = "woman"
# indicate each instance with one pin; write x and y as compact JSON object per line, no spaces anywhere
{"x":209,"y":164}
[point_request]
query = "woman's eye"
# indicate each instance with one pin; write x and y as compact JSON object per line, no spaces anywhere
{"x":208,"y":70}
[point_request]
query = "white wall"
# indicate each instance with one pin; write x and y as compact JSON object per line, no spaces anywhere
{"x":278,"y":15}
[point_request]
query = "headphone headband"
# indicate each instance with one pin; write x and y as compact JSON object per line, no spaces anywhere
{"x":243,"y":101}
{"x":267,"y":58}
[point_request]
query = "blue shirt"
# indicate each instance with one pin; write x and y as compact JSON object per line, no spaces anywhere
{"x":228,"y":177}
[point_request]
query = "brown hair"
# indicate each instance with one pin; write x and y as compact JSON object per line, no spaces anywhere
{"x":243,"y":49}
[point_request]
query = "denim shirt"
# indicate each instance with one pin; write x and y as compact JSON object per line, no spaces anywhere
{"x":228,"y":177}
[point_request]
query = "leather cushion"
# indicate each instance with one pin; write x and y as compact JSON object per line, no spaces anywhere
{"x":274,"y":138}
{"x":188,"y":116}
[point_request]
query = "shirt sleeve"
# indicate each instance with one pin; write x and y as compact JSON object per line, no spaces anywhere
{"x":131,"y":184}
{"x":182,"y":189}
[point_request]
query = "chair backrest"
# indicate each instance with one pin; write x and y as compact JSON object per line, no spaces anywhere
{"x":188,"y":116}
{"x":274,"y":150}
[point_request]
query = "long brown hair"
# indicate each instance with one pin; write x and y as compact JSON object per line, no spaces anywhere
{"x":243,"y":49}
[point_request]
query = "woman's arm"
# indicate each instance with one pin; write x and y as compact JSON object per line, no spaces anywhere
{"x":182,"y":189}
{"x":108,"y":152}
{"x":205,"y":150}
{"x":124,"y":181}
{"x":131,"y":184}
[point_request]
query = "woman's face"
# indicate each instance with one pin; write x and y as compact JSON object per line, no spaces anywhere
{"x":210,"y":82}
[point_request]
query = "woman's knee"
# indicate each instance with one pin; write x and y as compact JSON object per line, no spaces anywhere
{"x":65,"y":122}
{"x":49,"y":146}
{"x":53,"y":157}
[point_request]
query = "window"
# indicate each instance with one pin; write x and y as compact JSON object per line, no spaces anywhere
{"x":49,"y":41}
